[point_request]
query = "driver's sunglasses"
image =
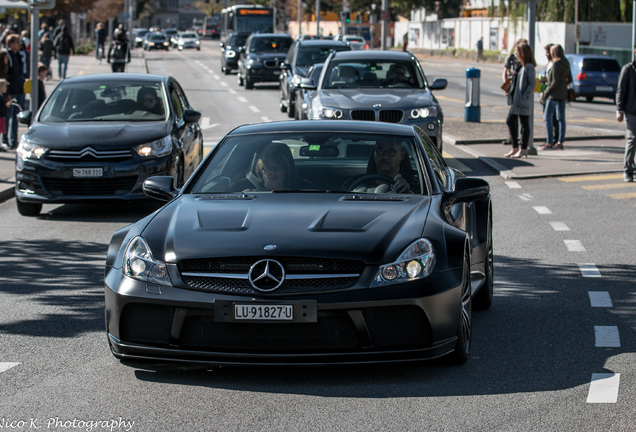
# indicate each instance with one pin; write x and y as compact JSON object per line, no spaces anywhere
{"x":388,"y":152}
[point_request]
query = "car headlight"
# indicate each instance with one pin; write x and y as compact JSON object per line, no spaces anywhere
{"x":296,"y":80}
{"x":230,"y":54}
{"x":139,"y":264}
{"x":416,"y":262}
{"x":27,"y":150}
{"x":165,"y":43}
{"x":254,"y":62}
{"x":423,"y":112}
{"x":323,"y":112}
{"x":157,"y":148}
{"x":197,"y":42}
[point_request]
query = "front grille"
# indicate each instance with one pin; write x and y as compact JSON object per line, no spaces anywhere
{"x":391,"y":116}
{"x":272,"y":63}
{"x":89,"y":154}
{"x":100,"y":186}
{"x":365,"y":115}
{"x":239,"y":267}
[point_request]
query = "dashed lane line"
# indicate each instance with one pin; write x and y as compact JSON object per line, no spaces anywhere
{"x":559,"y":226}
{"x":513,"y":185}
{"x":600,"y":299}
{"x":5,"y":366}
{"x":589,"y":270}
{"x":604,"y":388}
{"x":574,"y":245}
{"x":542,"y":210}
{"x":607,"y":337}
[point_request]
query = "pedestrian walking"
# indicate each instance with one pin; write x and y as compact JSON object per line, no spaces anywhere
{"x":100,"y":41}
{"x":520,"y":101}
{"x":119,"y":53}
{"x":15,"y":90}
{"x":480,"y":50}
{"x":405,"y":41}
{"x":509,"y":78}
{"x":626,"y":110}
{"x":46,"y":52}
{"x":5,"y":102}
{"x":555,"y":97}
{"x":64,"y":47}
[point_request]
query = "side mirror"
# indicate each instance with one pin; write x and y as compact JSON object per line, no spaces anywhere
{"x":191,"y":116}
{"x":24,"y":117}
{"x":439,"y":84}
{"x":285,"y":66}
{"x":160,"y":188}
{"x":468,"y":189}
{"x":307,"y":84}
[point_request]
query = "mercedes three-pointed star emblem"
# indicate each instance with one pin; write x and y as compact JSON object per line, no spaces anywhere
{"x":267,"y":275}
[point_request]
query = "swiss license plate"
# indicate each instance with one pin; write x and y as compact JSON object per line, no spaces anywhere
{"x":604,"y":88}
{"x":263,"y":312}
{"x":88,"y":172}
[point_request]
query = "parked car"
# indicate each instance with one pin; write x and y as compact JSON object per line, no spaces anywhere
{"x":98,"y":137}
{"x":303,"y":95}
{"x":355,"y":42}
{"x":230,"y":51}
{"x":187,"y":40}
{"x":138,"y":37}
{"x":289,"y":247}
{"x":594,"y":76}
{"x":155,"y":40}
{"x":302,"y":55}
{"x":385,"y":86}
{"x":260,"y":59}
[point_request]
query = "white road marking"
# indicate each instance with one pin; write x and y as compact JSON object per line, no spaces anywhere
{"x":254,"y":109}
{"x":513,"y":185}
{"x":241,"y":99}
{"x":205,"y":123}
{"x":574,"y":245}
{"x":5,"y":366}
{"x":542,"y":210}
{"x":223,"y":83}
{"x":600,"y":299}
{"x":266,"y":119}
{"x":607,"y":337}
{"x":589,"y":270}
{"x":526,"y":197}
{"x":232,"y":91}
{"x":604,"y":388}
{"x":559,"y":226}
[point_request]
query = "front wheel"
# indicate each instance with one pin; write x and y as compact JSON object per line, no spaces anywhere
{"x":465,"y":325}
{"x":28,"y":209}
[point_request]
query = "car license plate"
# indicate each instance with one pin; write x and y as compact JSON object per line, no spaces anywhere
{"x":88,"y":172}
{"x":263,"y":312}
{"x":604,"y":88}
{"x":296,"y":311}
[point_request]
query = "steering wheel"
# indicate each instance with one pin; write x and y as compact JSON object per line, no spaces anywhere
{"x":368,"y":178}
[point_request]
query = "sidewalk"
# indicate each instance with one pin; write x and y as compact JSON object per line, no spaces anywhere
{"x":588,"y":149}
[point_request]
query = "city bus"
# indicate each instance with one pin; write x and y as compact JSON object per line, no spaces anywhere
{"x":248,"y":18}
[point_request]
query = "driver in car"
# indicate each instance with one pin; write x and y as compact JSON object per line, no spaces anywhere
{"x":388,"y":157}
{"x":397,"y":75}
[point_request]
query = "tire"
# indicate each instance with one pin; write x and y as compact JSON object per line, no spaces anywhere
{"x":464,"y":327}
{"x":291,"y":109}
{"x":249,"y":84}
{"x":28,"y":209}
{"x":483,"y":299}
{"x":589,"y":98}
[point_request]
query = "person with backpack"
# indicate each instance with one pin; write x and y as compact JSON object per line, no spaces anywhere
{"x":63,"y":47}
{"x":626,"y":110}
{"x":119,"y":53}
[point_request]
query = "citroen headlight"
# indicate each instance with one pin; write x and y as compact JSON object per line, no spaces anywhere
{"x":423,"y":112}
{"x":230,"y":54}
{"x":416,"y":262}
{"x":157,"y":148}
{"x":27,"y":150}
{"x":139,"y":264}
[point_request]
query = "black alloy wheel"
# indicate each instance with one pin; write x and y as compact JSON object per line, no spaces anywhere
{"x":483,"y":298}
{"x":464,"y":329}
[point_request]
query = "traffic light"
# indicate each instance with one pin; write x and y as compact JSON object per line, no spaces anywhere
{"x":347,"y":17}
{"x":358,"y":18}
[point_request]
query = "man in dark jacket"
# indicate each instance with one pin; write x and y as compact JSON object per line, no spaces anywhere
{"x":15,"y":77}
{"x":64,"y":48}
{"x":626,"y":109}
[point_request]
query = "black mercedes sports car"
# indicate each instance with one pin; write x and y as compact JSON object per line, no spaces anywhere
{"x":305,"y":243}
{"x":98,"y":137}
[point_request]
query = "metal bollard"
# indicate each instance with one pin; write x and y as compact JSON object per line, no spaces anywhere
{"x":472,"y":109}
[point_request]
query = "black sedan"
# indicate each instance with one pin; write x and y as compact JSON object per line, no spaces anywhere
{"x":230,"y":51}
{"x":98,"y":137}
{"x":305,"y":243}
{"x":385,"y":86}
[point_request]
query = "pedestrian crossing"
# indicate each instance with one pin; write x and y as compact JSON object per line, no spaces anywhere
{"x":611,"y":185}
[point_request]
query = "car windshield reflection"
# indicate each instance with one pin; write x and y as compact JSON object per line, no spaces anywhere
{"x":105,"y":102}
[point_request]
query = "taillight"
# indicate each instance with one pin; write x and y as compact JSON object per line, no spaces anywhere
{"x":581,"y":76}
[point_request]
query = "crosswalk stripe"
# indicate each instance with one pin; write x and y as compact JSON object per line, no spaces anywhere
{"x":609,"y":186}
{"x":6,"y":366}
{"x":623,"y":195}
{"x":604,"y":388}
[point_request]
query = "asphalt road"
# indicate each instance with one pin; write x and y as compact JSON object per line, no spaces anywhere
{"x":553,"y":354}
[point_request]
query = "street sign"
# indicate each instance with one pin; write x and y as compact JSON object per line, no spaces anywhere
{"x":42,"y":4}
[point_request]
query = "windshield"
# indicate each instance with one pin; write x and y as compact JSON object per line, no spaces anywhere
{"x":237,"y":40}
{"x":103,"y":101}
{"x":372,"y":74}
{"x":188,"y":36}
{"x":310,"y":161}
{"x":311,"y":55}
{"x":270,"y":44}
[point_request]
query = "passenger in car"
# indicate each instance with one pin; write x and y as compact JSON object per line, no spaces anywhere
{"x":273,"y":169}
